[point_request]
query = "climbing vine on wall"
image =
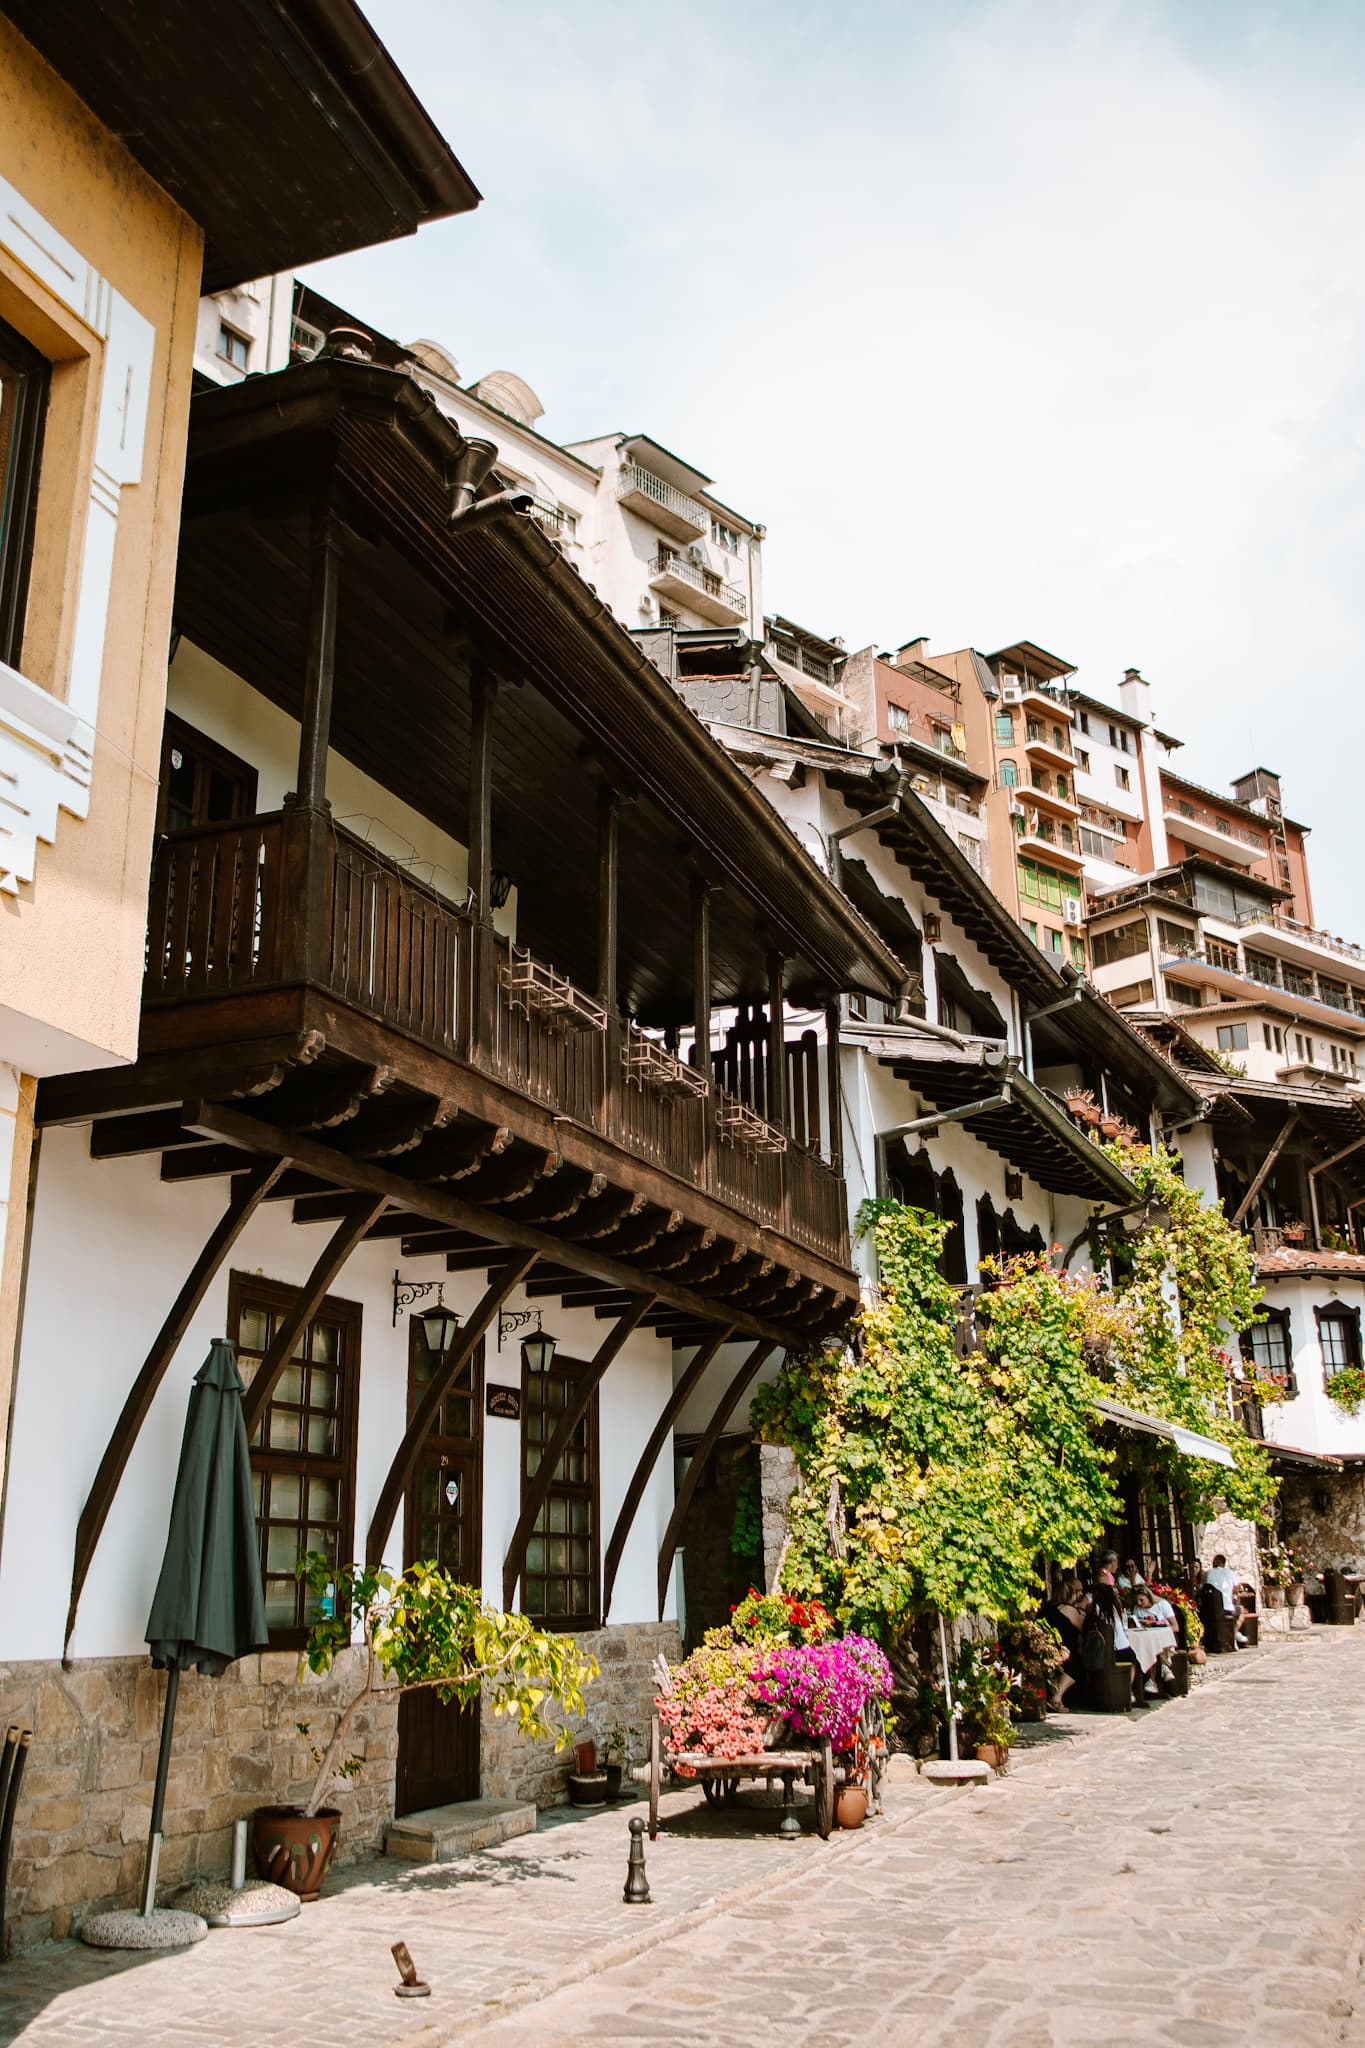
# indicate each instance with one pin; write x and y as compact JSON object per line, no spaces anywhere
{"x":1180,"y":1297}
{"x":931,"y":1481}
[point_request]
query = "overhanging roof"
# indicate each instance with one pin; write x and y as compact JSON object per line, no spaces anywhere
{"x":1030,"y":1130}
{"x":1189,"y":1442}
{"x":259,"y":449}
{"x":285,"y":130}
{"x":916,"y":837}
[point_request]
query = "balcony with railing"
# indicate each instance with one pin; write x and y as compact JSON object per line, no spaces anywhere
{"x":241,"y":914}
{"x":662,"y":504}
{"x":1198,"y":826}
{"x":1047,"y":741}
{"x":701,"y":589}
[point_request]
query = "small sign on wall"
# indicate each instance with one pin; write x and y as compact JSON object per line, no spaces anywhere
{"x":504,"y":1402}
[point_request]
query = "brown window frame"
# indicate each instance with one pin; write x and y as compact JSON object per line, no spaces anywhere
{"x":1337,"y":1315}
{"x":249,"y":1290}
{"x":179,"y":732}
{"x":19,"y":486}
{"x":568,"y":1368}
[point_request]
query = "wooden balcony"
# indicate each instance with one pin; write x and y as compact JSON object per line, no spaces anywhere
{"x":246,"y":918}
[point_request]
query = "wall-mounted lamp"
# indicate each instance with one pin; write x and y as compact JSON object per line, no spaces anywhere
{"x":933,"y":927}
{"x":440,"y":1325}
{"x":499,"y":888}
{"x":538,"y":1346}
{"x":1014,"y":1186}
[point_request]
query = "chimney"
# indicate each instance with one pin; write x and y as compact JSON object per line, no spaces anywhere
{"x":911,"y":652}
{"x":1135,"y":696}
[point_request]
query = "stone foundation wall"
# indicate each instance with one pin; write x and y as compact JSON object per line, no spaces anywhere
{"x":81,"y":1827}
{"x":1334,"y":1534}
{"x":1239,"y":1543}
{"x":623,"y":1697}
{"x":779,"y":1478}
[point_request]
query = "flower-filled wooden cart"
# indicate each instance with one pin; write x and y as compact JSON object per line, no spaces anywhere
{"x":772,"y":1697}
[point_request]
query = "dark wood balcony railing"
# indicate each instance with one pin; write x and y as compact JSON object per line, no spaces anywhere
{"x":290,"y":900}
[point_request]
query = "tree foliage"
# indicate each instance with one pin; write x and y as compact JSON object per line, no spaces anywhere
{"x":929,"y":1481}
{"x":424,"y":1629}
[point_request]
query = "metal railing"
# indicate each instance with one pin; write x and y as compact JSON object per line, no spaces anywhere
{"x":1198,"y":815}
{"x":634,"y":479}
{"x":707,"y":580}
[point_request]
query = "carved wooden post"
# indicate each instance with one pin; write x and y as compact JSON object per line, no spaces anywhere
{"x":701,"y":1020}
{"x":483,"y":685}
{"x":835,"y":1111}
{"x":777,"y":1073}
{"x":306,"y":855}
{"x":608,"y":946}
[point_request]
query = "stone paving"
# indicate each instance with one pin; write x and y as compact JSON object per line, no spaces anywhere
{"x":1191,"y":1875}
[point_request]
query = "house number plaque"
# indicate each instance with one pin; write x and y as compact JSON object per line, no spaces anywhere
{"x":503,"y":1401}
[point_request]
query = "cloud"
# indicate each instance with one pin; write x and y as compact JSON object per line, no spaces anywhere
{"x":1007,"y":319}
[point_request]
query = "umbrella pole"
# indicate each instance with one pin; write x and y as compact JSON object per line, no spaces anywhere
{"x":948,"y":1692}
{"x":163,"y":1765}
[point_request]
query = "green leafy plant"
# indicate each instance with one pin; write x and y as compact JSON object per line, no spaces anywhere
{"x":423,"y":1629}
{"x":1180,"y":1295}
{"x":746,"y":1531}
{"x":930,"y":1482}
{"x":618,"y":1747}
{"x":1346,"y":1387}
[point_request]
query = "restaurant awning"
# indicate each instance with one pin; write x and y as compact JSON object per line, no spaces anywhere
{"x":1188,"y":1442}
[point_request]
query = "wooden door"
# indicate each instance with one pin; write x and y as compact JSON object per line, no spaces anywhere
{"x":438,"y":1745}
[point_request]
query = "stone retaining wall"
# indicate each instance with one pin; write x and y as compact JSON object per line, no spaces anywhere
{"x":623,"y":1697}
{"x":81,"y":1828}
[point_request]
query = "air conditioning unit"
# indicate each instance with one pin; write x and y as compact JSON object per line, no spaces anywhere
{"x":1011,"y":693}
{"x":1016,"y":809}
{"x":1071,"y":910}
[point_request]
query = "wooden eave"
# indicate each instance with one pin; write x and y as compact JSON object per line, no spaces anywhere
{"x":416,"y":596}
{"x":285,"y":130}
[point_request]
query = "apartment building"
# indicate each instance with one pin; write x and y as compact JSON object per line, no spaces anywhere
{"x":639,"y":523}
{"x":902,"y":704}
{"x":1017,"y":724}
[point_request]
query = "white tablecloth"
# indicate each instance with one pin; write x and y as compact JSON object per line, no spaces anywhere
{"x":1149,"y":1644}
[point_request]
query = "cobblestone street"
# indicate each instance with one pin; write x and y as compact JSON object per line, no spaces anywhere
{"x":1189,"y":1875}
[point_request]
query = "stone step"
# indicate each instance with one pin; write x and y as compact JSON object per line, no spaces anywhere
{"x":441,"y":1832}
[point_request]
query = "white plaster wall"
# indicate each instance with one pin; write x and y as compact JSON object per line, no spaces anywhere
{"x":1311,"y":1422}
{"x":111,"y":1244}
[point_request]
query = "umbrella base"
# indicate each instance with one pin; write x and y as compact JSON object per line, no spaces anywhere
{"x":161,"y":1929}
{"x":254,"y":1904}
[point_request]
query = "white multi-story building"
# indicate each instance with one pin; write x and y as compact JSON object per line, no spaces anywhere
{"x":639,"y":523}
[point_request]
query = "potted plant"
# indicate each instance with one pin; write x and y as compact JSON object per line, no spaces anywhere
{"x":617,"y":1754}
{"x":1293,"y":1230}
{"x":418,"y":1629}
{"x":1036,"y":1652}
{"x":1110,"y":1125}
{"x":1083,"y":1105}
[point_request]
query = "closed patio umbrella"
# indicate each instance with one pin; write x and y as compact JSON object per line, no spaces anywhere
{"x":208,"y":1609}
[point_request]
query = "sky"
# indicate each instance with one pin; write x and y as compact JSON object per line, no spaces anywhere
{"x":1009,"y":319}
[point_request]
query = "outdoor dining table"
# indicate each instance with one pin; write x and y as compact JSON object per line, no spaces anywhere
{"x":1150,"y":1643}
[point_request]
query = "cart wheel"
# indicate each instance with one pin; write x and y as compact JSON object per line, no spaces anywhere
{"x":654,"y":1776}
{"x":714,"y":1790}
{"x":732,"y":1791}
{"x":824,"y":1791}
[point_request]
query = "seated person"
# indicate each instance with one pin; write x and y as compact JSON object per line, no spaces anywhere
{"x":1106,"y":1618}
{"x":1130,"y":1577}
{"x":1108,"y":1571}
{"x":1063,"y":1616}
{"x":1148,"y":1613}
{"x":1222,"y":1580}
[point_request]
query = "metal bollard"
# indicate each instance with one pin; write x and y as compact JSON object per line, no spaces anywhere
{"x":636,"y":1892}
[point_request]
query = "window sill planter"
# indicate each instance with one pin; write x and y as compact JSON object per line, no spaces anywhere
{"x":535,"y":988}
{"x":294,"y":1849}
{"x":647,"y":1065}
{"x":738,"y":1123}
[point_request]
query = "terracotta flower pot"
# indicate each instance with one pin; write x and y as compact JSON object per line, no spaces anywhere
{"x":850,"y":1806}
{"x":294,"y":1849}
{"x":992,"y":1753}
